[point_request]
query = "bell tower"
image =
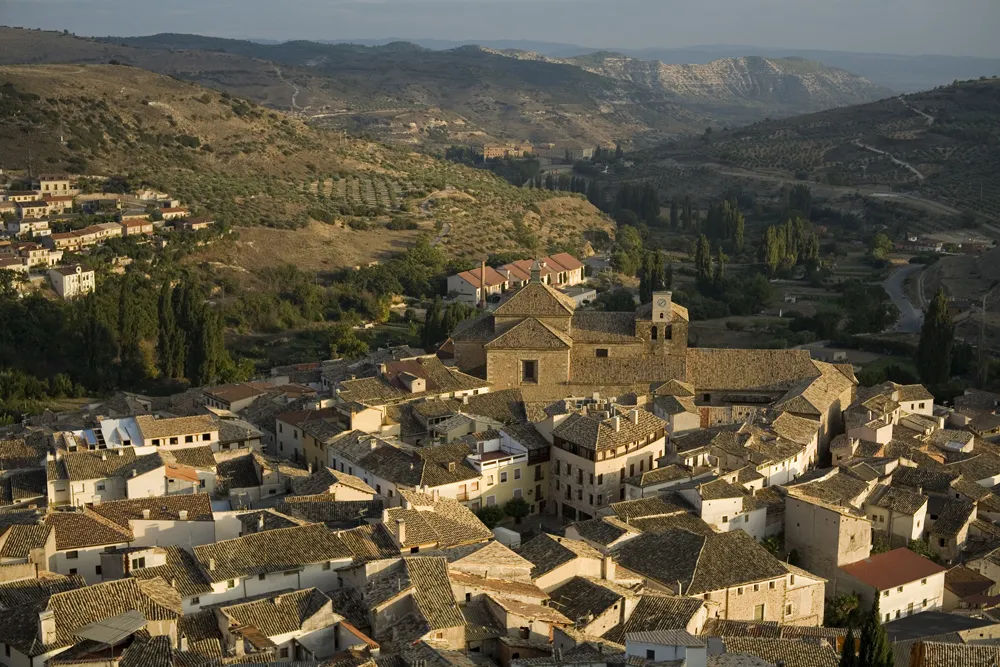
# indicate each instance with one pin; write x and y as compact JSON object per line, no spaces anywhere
{"x":662,"y":307}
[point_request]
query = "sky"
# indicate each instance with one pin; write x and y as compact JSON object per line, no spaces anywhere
{"x":947,"y":27}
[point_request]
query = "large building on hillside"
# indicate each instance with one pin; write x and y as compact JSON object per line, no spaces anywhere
{"x":536,"y":341}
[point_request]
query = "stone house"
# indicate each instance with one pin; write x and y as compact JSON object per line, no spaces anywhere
{"x":556,"y":560}
{"x":297,"y":625}
{"x":178,"y":432}
{"x":905,"y":582}
{"x":289,"y":434}
{"x":825,"y":525}
{"x":724,"y":506}
{"x":525,"y":620}
{"x":735,"y":577}
{"x":949,"y":532}
{"x":186,"y":520}
{"x":898,"y":512}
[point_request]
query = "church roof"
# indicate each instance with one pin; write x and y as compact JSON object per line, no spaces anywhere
{"x":537,"y":300}
{"x":531,"y":334}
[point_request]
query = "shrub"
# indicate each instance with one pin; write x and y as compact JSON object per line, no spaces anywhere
{"x":490,"y":515}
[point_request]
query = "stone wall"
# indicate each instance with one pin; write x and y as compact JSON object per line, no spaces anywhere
{"x":503,"y":367}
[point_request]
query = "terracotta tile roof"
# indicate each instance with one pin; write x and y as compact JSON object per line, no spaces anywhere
{"x":387,"y":388}
{"x":434,"y":596}
{"x":369,"y":542}
{"x":195,"y":457}
{"x":656,"y":612}
{"x":976,"y":468}
{"x":954,"y":516}
{"x":964,"y":582}
{"x":531,"y":334}
{"x":604,"y":530}
{"x":23,"y":485}
{"x":29,"y":591}
{"x":663,"y":524}
{"x":892,"y":568}
{"x":446,"y":523}
{"x":267,"y":519}
{"x":298,"y":417}
{"x":790,"y":652}
{"x":581,"y":599}
{"x":838,"y":489}
{"x":201,"y":628}
{"x":897,"y":499}
{"x":534,"y":612}
{"x":536,"y":300}
{"x":627,"y":510}
{"x":238,"y":472}
{"x":428,"y":466}
{"x":181,"y":572}
{"x":231,"y":393}
{"x":17,"y":453}
{"x":101,"y":464}
{"x":929,"y":479}
{"x":475,"y":277}
{"x":334,"y":513}
{"x":591,"y":432}
{"x":77,"y":608}
{"x":499,"y":586}
{"x":949,"y":654}
{"x":760,"y":370}
{"x":18,"y":541}
{"x":702,"y":563}
{"x":175,"y":426}
{"x":167,"y":508}
{"x":479,"y":622}
{"x":547,"y":552}
{"x":322,"y":480}
{"x":282,"y":614}
{"x":78,"y":530}
{"x":473,"y":556}
{"x":270,"y":551}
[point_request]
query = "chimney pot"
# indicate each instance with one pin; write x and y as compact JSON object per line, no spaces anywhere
{"x":145,"y":514}
{"x":401,"y":531}
{"x":633,"y":415}
{"x":104,"y":456}
{"x":182,"y":515}
{"x":616,"y":423}
{"x":211,"y":565}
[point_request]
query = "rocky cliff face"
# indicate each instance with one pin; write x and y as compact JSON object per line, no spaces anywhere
{"x":752,"y":85}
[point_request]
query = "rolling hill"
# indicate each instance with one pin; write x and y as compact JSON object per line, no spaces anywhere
{"x":256,"y":168}
{"x":943,"y":144}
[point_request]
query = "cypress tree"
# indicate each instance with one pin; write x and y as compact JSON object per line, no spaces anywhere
{"x":937,"y":337}
{"x":848,"y":658}
{"x":674,"y":214}
{"x":720,"y":266}
{"x":167,"y":333}
{"x":875,"y":648}
{"x":703,"y":258}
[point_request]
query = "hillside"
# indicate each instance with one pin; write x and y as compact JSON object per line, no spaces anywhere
{"x":942,"y":144}
{"x":736,"y":90}
{"x":399,"y":91}
{"x":249,"y":166}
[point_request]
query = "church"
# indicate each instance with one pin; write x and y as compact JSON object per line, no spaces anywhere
{"x":537,"y":342}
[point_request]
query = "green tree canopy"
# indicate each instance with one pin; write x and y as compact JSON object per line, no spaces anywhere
{"x":937,"y":338}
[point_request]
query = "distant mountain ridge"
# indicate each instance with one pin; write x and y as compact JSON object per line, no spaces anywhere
{"x":788,"y":85}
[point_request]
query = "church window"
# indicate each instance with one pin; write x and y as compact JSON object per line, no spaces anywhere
{"x":529,"y":371}
{"x":602,"y":353}
{"x":653,"y":334}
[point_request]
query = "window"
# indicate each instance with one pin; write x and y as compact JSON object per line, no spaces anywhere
{"x":621,"y":494}
{"x":591,"y":498}
{"x":725,"y":519}
{"x":897,"y":613}
{"x":579,"y":494}
{"x":650,"y":654}
{"x":746,"y":519}
{"x":923,"y":582}
{"x":231,"y":583}
{"x":72,"y":570}
{"x":156,"y":441}
{"x":887,"y":617}
{"x":491,"y":501}
{"x":283,"y":653}
{"x":97,"y":570}
{"x":188,"y":438}
{"x":899,"y":589}
{"x":503,"y":477}
{"x":206,"y":437}
{"x":756,"y":588}
{"x":529,"y":371}
{"x":921,"y":406}
{"x":652,"y":334}
{"x":885,"y":594}
{"x":569,"y":470}
{"x":924,"y":603}
{"x":558,"y":484}
{"x":139,"y":563}
{"x":791,"y":579}
{"x":517,"y":493}
{"x":601,"y":352}
{"x":201,"y":483}
{"x":525,"y":633}
{"x":772,"y":585}
{"x":261,"y":577}
{"x":173,"y":441}
{"x":195,"y":600}
{"x":517,"y":473}
{"x":600,"y":499}
{"x":99,"y":486}
{"x":414,"y":550}
{"x":6,"y":650}
{"x":326,"y":565}
{"x":758,"y":613}
{"x":280,"y":430}
{"x":600,"y":479}
{"x":739,"y":591}
{"x":788,"y":610}
{"x":72,"y":554}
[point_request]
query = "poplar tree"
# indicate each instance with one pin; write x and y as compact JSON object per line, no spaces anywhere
{"x":703,"y":258}
{"x":875,"y":648}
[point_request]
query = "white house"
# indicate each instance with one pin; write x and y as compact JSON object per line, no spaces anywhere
{"x":72,"y":281}
{"x":667,"y":645}
{"x":81,"y":538}
{"x":724,"y":506}
{"x":905,"y":582}
{"x":184,"y":520}
{"x":898,"y":512}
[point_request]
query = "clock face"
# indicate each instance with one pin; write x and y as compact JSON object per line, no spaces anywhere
{"x":661,"y":303}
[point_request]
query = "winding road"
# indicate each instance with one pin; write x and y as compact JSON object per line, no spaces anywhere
{"x":911,"y":318}
{"x":894,"y":159}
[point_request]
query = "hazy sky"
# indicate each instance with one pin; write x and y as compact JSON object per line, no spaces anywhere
{"x":953,"y":27}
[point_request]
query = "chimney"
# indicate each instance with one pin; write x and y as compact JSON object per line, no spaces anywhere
{"x":260,"y":522}
{"x":104,"y":456}
{"x":482,"y":286}
{"x":47,"y":626}
{"x":184,"y":643}
{"x":436,"y":493}
{"x":145,"y":514}
{"x":182,"y":515}
{"x":173,"y":582}
{"x":451,"y":466}
{"x":608,"y":568}
{"x":401,"y":531}
{"x":211,"y":565}
{"x":135,"y":472}
{"x":633,"y":415}
{"x":465,"y":399}
{"x":616,"y":423}
{"x":120,"y":452}
{"x":309,"y":468}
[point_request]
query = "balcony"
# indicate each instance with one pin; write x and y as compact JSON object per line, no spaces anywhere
{"x":496,"y":459}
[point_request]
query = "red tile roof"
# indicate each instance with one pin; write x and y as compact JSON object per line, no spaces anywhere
{"x":566,"y":260}
{"x":892,"y":568}
{"x":473,"y":277}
